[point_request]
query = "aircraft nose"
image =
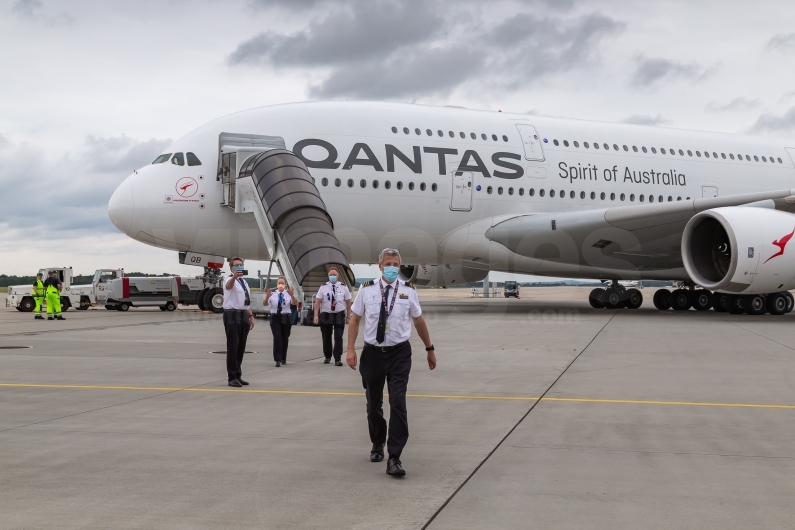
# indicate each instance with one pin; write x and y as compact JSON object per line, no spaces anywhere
{"x":120,"y":207}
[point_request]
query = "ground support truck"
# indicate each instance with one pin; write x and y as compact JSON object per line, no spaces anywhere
{"x":162,"y":292}
{"x":20,"y":297}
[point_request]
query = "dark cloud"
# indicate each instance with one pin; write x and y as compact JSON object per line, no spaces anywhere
{"x":652,"y":70}
{"x":26,"y":8}
{"x":773,"y":124}
{"x":70,"y":193}
{"x":737,"y":104}
{"x":642,"y":119}
{"x":782,"y":42}
{"x":390,"y":49}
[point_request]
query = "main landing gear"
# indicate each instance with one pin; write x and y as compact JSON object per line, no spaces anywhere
{"x":704,"y":300}
{"x":615,"y":297}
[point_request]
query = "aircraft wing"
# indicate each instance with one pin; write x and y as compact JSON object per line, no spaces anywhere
{"x":640,"y":236}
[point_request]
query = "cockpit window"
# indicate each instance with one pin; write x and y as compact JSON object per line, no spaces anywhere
{"x":193,"y":160}
{"x":178,"y":159}
{"x":162,"y":158}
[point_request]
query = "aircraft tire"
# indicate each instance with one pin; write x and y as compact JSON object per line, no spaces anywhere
{"x":790,"y":299}
{"x":680,"y":300}
{"x":200,"y":298}
{"x":595,"y":298}
{"x":611,"y":299}
{"x":719,"y":302}
{"x":755,"y":304}
{"x":777,"y":303}
{"x":633,"y":299}
{"x":701,"y":300}
{"x":662,"y":299}
{"x":735,"y":305}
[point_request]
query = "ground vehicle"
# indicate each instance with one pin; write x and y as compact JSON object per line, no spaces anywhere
{"x":511,"y":289}
{"x":21,"y":296}
{"x":96,"y":292}
{"x":163,"y":292}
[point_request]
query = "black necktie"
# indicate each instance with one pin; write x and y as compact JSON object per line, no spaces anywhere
{"x":333,"y":298}
{"x":380,"y":335}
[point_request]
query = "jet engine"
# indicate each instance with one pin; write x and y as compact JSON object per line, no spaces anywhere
{"x":741,"y":250}
{"x":440,"y":275}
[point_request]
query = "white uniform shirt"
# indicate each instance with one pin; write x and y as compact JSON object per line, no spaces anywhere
{"x":336,"y":290}
{"x":234,"y":298}
{"x":273,"y":302}
{"x":368,"y":305}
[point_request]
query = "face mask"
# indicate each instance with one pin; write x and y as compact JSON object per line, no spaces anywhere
{"x":391,"y":273}
{"x":280,"y":287}
{"x":332,"y":279}
{"x":238,"y":267}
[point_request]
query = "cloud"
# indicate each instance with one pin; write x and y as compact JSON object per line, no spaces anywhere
{"x":641,"y":119}
{"x":770,"y":123}
{"x":782,"y":42}
{"x":652,"y":70}
{"x":395,"y":49}
{"x":737,"y":104}
{"x":69,"y":193}
{"x":26,"y":8}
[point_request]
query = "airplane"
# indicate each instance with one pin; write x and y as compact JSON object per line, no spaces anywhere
{"x":463,"y":192}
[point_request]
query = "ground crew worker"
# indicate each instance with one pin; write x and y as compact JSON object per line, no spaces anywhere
{"x":38,"y":295}
{"x":53,"y":286}
{"x":388,"y":307}
{"x":332,"y":312}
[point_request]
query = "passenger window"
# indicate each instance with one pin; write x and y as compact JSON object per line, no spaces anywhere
{"x":596,"y":145}
{"x":162,"y":158}
{"x":178,"y":159}
{"x":566,"y":143}
{"x":417,"y":132}
{"x":747,"y":157}
{"x":562,"y":194}
{"x":576,"y":144}
{"x":698,"y":153}
{"x":551,"y":193}
{"x":607,"y":147}
{"x":434,"y":187}
{"x":622,"y":196}
{"x":706,"y":154}
{"x":422,"y":186}
{"x":651,"y":198}
{"x":555,"y":142}
{"x":473,"y":136}
{"x":488,"y":190}
{"x":756,"y":158}
{"x":541,"y":193}
{"x":634,"y":148}
{"x":324,"y":181}
{"x":451,"y":134}
{"x":681,"y":153}
{"x":593,"y":195}
{"x":462,"y":135}
{"x":723,"y":156}
{"x":670,"y":198}
{"x":764,"y":159}
{"x":643,"y":149}
{"x":689,"y":152}
{"x":585,"y":144}
{"x":483,"y":136}
{"x":429,"y":132}
{"x":499,"y":190}
{"x":779,"y":161}
{"x":411,"y":186}
{"x":531,"y":192}
{"x":363,"y":183}
{"x":337,"y":182}
{"x":662,"y":150}
{"x":388,"y":185}
{"x":405,"y":130}
{"x":612,"y":196}
{"x":731,"y":156}
{"x":572,"y":194}
{"x":350,"y":183}
{"x":494,"y":137}
{"x":504,"y":138}
{"x":510,"y":191}
{"x":439,"y":132}
{"x":654,"y":150}
{"x":626,"y":148}
{"x":641,"y":197}
{"x":602,"y":195}
{"x":521,"y":192}
{"x":394,"y":129}
{"x":400,"y":185}
{"x":631,"y":197}
{"x":679,"y":198}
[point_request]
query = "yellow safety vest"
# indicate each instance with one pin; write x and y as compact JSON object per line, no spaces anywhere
{"x":39,"y":286}
{"x":52,"y":289}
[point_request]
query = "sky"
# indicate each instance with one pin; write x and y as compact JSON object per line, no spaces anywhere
{"x":91,"y":90}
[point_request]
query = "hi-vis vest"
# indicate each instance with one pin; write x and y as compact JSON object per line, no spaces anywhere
{"x":52,"y":289}
{"x":39,"y":287}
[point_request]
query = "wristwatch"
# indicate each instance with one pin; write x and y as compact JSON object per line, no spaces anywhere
{"x":429,"y":348}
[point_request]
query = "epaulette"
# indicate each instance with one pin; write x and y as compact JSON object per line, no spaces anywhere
{"x":407,"y":284}
{"x":367,"y":284}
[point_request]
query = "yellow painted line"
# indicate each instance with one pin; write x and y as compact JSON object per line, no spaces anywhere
{"x":428,"y":396}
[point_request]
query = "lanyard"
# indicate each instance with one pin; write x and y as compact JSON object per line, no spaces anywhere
{"x":383,"y":297}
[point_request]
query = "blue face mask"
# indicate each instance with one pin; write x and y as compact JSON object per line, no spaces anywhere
{"x":391,"y":273}
{"x":239,"y":267}
{"x":332,"y":279}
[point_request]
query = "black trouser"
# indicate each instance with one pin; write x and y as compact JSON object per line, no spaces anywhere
{"x":332,"y":324}
{"x":393,"y":366}
{"x":280,"y":327}
{"x":237,"y":326}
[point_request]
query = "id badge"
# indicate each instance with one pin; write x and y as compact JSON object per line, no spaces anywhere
{"x":386,"y":331}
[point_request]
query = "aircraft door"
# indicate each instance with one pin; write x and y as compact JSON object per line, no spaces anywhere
{"x":531,"y":142}
{"x":461,"y":200}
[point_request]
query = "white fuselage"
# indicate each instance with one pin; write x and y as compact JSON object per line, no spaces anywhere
{"x":150,"y":207}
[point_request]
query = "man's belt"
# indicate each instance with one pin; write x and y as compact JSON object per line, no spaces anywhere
{"x":385,"y":349}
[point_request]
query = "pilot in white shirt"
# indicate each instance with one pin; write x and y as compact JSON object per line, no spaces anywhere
{"x":238,"y":320}
{"x":281,"y":319}
{"x":332,"y":312}
{"x":388,"y":307}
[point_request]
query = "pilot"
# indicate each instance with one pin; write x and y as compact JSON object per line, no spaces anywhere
{"x":332,"y":312}
{"x":52,"y":288}
{"x":38,"y":295}
{"x":388,"y":307}
{"x":281,"y":319}
{"x":238,"y":321}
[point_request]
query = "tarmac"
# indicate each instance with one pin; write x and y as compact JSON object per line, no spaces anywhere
{"x":542,"y":413}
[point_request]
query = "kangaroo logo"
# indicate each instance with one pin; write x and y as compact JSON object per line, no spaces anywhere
{"x":781,"y":244}
{"x":187,"y":187}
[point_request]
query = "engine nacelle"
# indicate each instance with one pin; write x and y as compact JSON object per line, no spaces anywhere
{"x":740,"y":250}
{"x":440,"y":275}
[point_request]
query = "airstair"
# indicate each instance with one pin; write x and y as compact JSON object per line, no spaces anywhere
{"x":275,"y":185}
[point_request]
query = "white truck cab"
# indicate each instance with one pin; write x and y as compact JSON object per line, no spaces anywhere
{"x":96,"y":293}
{"x":21,"y":296}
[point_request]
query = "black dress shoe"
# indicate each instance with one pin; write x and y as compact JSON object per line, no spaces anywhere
{"x":278,"y":364}
{"x":395,"y":468}
{"x":284,"y":362}
{"x":59,"y":317}
{"x":377,"y":453}
{"x":338,"y":363}
{"x":326,"y":361}
{"x":235,"y":383}
{"x":244,"y":383}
